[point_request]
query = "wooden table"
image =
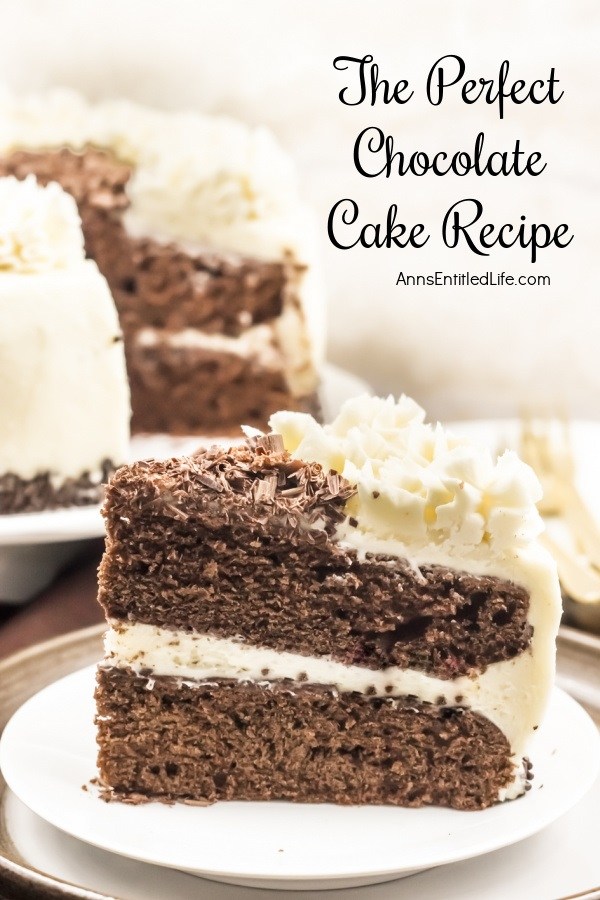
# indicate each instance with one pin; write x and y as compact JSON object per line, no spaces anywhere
{"x":69,"y":603}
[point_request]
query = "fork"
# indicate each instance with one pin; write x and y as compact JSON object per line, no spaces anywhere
{"x":579,"y":581}
{"x":552,"y":461}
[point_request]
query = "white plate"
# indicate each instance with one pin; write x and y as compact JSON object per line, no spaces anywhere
{"x":26,"y":565}
{"x":48,"y":752}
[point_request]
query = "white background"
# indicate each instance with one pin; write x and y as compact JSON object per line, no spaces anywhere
{"x":460,"y":351}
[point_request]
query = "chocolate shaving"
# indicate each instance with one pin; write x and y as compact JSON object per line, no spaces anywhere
{"x":268,"y":443}
{"x":209,"y":482}
{"x":18,"y":495}
{"x":261,"y":474}
{"x":265,"y":489}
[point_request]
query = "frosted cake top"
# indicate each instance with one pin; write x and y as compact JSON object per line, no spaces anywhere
{"x":417,"y":484}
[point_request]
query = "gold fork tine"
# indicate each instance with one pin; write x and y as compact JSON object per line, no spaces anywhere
{"x":582,"y":524}
{"x":580,"y":582}
{"x":555,"y":468}
{"x":531,"y":451}
{"x":569,"y":456}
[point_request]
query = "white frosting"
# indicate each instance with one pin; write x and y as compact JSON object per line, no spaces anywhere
{"x":512,"y":694}
{"x":197,"y":179}
{"x":193,"y":173}
{"x":517,"y":787}
{"x":64,"y":400}
{"x":40,"y":228}
{"x":256,"y":342}
{"x":431,"y":498}
{"x":416,"y":483}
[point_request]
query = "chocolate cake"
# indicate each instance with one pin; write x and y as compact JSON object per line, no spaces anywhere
{"x":355,"y":613}
{"x":196,"y":224}
{"x":64,"y":400}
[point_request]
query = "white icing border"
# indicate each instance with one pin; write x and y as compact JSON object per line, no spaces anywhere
{"x":256,"y":342}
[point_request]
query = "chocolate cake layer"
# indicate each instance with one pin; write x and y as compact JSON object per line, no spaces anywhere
{"x":240,"y":543}
{"x":19,"y":495}
{"x":154,"y":284}
{"x":181,"y":389}
{"x":163,"y":286}
{"x":230,"y":740}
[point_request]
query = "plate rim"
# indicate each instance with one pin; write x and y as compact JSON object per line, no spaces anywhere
{"x":388,"y":872}
{"x":17,"y":873}
{"x":89,"y":516}
{"x":80,"y":647}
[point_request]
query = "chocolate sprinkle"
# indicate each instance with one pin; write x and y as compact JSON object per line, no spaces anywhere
{"x":18,"y":495}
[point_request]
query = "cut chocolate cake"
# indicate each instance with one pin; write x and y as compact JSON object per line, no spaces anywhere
{"x":64,"y":400}
{"x":197,"y":226}
{"x":356,"y":613}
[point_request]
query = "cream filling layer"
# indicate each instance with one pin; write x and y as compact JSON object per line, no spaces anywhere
{"x":274,"y":347}
{"x":255,"y":343}
{"x":503,"y":693}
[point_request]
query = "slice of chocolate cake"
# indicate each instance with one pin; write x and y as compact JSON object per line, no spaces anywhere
{"x":359,"y":613}
{"x":197,"y":225}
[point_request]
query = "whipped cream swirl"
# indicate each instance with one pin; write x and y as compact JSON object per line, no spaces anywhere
{"x":418,"y":484}
{"x":40,"y":228}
